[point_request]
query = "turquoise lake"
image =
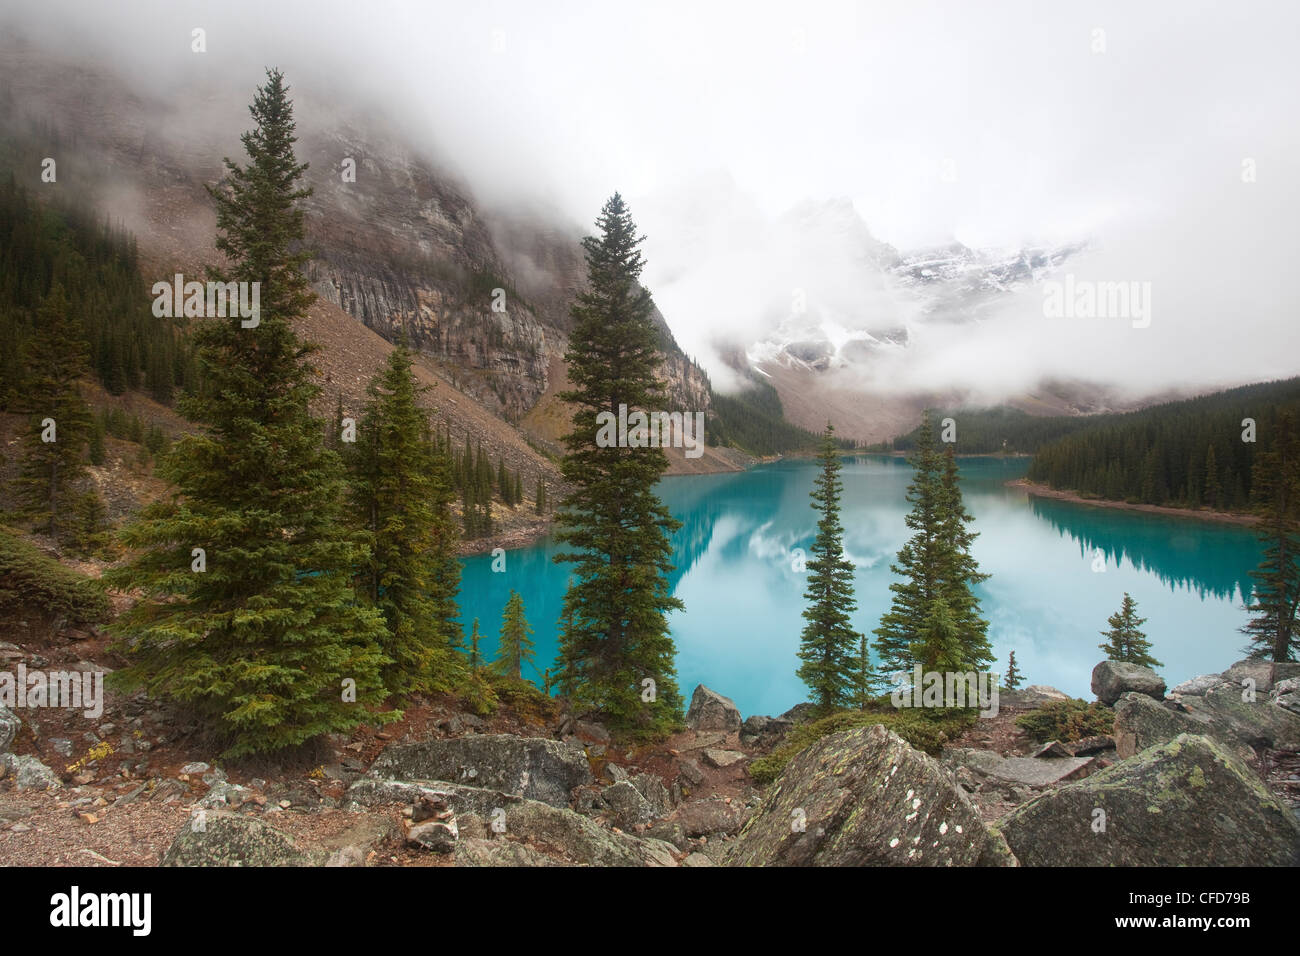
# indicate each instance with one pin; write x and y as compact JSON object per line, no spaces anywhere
{"x":739,"y":632}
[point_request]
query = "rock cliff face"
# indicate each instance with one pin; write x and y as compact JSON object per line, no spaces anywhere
{"x":400,"y":243}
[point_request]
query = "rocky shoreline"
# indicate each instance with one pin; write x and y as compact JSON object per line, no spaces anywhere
{"x":1199,"y":775}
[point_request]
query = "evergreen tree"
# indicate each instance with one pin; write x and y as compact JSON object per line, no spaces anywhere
{"x":515,"y":648}
{"x":60,"y":421}
{"x":865,"y":681}
{"x":828,"y":642}
{"x":1012,"y":680}
{"x":617,"y":632}
{"x":960,"y":571}
{"x":517,"y":496}
{"x":475,"y":658}
{"x":918,"y":559}
{"x":541,"y":496}
{"x":261,"y":633}
{"x":1124,"y":640}
{"x":96,"y":449}
{"x":935,"y":603}
{"x":401,"y":494}
{"x":504,"y":483}
{"x":1275,"y":597}
{"x":1213,"y":489}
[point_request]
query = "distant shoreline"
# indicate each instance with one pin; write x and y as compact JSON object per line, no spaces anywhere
{"x":1043,"y":491}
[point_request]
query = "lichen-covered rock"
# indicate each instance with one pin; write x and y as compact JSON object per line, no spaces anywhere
{"x":1141,"y":722}
{"x":1189,"y":802}
{"x":531,"y":767}
{"x":1257,"y":723}
{"x":10,"y":724}
{"x":625,"y":806}
{"x":579,"y":839}
{"x":864,"y":797}
{"x":656,"y":794}
{"x":479,"y":852}
{"x":709,"y":710}
{"x":709,"y":817}
{"x":1197,"y":685}
{"x":28,"y":773}
{"x":220,"y":838}
{"x":762,"y":731}
{"x":1258,"y":672}
{"x":1112,"y":679}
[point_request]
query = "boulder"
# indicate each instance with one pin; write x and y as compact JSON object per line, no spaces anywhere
{"x":1110,"y":679}
{"x":229,"y":839}
{"x":1197,"y":685}
{"x":708,"y":817}
{"x":28,"y":773}
{"x":1259,"y":671}
{"x":762,"y":731}
{"x":1286,"y":694}
{"x":531,"y":767}
{"x":1020,"y":771}
{"x":354,"y":845}
{"x":1031,"y":697}
{"x":864,"y":797}
{"x":655,"y":793}
{"x":1091,"y":746}
{"x":721,"y":759}
{"x":1189,"y":802}
{"x":9,"y":727}
{"x":709,"y":710}
{"x":1256,"y":723}
{"x":478,"y":852}
{"x":799,"y":714}
{"x":625,"y":806}
{"x":437,"y":835}
{"x":1141,"y":722}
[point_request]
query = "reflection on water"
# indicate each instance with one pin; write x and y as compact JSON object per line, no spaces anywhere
{"x":740,"y":630}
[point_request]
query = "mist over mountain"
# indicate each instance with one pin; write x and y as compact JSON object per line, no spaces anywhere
{"x":848,"y":200}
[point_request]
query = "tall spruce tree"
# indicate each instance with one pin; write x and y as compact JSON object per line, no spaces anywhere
{"x":260,"y":632}
{"x":401,"y":497}
{"x":616,"y":636}
{"x":1275,"y":598}
{"x":60,"y":423}
{"x":934,"y":605}
{"x":918,"y":559}
{"x":960,"y":571}
{"x":515,"y":648}
{"x":1125,"y":640}
{"x":1012,"y":679}
{"x":828,"y":643}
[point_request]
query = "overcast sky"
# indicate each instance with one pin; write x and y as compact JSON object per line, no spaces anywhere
{"x":993,"y":123}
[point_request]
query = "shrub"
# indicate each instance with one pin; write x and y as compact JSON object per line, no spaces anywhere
{"x":1067,"y":720}
{"x":924,"y":729}
{"x":32,"y":582}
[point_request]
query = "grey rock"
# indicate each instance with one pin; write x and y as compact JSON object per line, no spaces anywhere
{"x":1091,"y":746}
{"x":10,"y":724}
{"x":655,"y":793}
{"x":709,"y":817}
{"x":1197,"y":685}
{"x":1111,"y":679}
{"x":617,"y":773}
{"x":864,"y":797}
{"x":228,"y":839}
{"x":1258,"y":723}
{"x":1141,"y":722}
{"x":799,"y":714}
{"x":61,"y":746}
{"x":1019,"y":771}
{"x":1259,"y":671}
{"x":28,"y":773}
{"x":1031,"y":697}
{"x":354,"y":845}
{"x":1189,"y":802}
{"x":721,"y":759}
{"x":625,"y":806}
{"x":698,"y":859}
{"x":197,"y":767}
{"x":709,"y":710}
{"x":670,"y":832}
{"x":1053,"y":748}
{"x":477,"y":852}
{"x":690,"y":771}
{"x":532,"y":767}
{"x":437,"y":835}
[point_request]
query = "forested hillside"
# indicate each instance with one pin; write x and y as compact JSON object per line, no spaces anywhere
{"x":983,"y":431}
{"x":42,"y":246}
{"x":1193,"y":453}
